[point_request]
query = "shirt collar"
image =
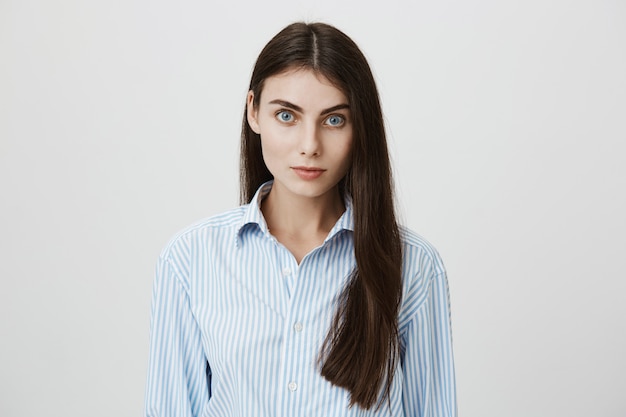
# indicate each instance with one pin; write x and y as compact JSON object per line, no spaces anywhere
{"x":252,"y":211}
{"x":253,"y":215}
{"x":345,"y":222}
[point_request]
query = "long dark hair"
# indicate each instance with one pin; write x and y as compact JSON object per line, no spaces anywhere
{"x":361,"y":349}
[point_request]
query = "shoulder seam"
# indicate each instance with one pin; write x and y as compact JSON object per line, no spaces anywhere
{"x":177,"y":274}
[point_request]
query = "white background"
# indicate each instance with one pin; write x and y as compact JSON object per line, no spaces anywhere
{"x":119,"y":125}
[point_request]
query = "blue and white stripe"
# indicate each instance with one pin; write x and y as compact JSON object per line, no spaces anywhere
{"x":237,"y":324}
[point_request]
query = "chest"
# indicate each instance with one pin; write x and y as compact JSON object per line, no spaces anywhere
{"x":263,"y":316}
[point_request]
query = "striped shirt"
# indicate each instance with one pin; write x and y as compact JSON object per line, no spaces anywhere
{"x":237,"y":324}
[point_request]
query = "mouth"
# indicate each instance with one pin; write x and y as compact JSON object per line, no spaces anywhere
{"x":308,"y":173}
{"x":305,"y":168}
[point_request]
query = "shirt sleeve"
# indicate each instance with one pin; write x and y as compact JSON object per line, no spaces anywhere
{"x":429,"y":388}
{"x":178,"y":374}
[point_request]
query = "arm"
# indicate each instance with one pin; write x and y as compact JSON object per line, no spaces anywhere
{"x":429,"y":384}
{"x":177,"y":382}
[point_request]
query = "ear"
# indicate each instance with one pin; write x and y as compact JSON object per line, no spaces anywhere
{"x":252,"y":113}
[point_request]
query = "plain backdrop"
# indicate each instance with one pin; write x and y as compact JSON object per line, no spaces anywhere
{"x":119,"y":125}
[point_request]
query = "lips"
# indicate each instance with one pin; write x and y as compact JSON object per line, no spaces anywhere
{"x":308,"y":173}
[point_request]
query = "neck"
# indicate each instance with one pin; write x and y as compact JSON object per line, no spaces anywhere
{"x":301,"y":217}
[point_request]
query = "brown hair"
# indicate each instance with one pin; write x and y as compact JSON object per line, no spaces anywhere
{"x":361,"y":349}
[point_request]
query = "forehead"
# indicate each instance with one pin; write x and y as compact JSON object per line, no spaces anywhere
{"x":303,"y":87}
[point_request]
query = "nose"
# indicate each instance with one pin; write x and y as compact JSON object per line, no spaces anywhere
{"x":310,"y":141}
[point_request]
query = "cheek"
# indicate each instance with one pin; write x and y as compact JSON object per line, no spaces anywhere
{"x":346,"y":152}
{"x":272,"y":150}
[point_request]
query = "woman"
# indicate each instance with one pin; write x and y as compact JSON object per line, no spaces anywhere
{"x":308,"y":300}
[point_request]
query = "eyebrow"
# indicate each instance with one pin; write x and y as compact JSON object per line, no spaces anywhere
{"x":299,"y":109}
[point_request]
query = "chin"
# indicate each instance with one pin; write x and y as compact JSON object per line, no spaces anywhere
{"x":311,"y":190}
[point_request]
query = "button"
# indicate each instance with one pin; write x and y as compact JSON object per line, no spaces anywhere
{"x":292,"y":386}
{"x":298,"y":327}
{"x":286,"y":272}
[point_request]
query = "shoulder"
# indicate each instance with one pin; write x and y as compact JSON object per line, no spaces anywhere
{"x":417,"y":250}
{"x":219,"y":226}
{"x":422,"y":267}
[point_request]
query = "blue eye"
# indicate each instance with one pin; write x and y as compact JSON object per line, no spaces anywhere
{"x":285,"y":116}
{"x":335,"y":120}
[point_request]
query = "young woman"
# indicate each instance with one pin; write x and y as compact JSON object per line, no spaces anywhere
{"x":309,"y":299}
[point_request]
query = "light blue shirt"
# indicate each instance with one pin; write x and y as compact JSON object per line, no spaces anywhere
{"x":238,"y":324}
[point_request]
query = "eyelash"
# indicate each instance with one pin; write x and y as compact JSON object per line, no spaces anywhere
{"x":280,"y":112}
{"x":283,"y":111}
{"x":341,"y":122}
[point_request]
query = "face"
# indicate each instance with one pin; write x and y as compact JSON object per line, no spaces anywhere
{"x":306,"y":133}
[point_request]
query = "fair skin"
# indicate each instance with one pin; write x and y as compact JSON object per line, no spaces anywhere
{"x":306,"y":136}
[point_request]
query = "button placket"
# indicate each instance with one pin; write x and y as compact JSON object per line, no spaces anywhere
{"x":287,"y":270}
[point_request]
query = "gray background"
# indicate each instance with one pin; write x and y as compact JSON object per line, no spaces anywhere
{"x":119,"y":125}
